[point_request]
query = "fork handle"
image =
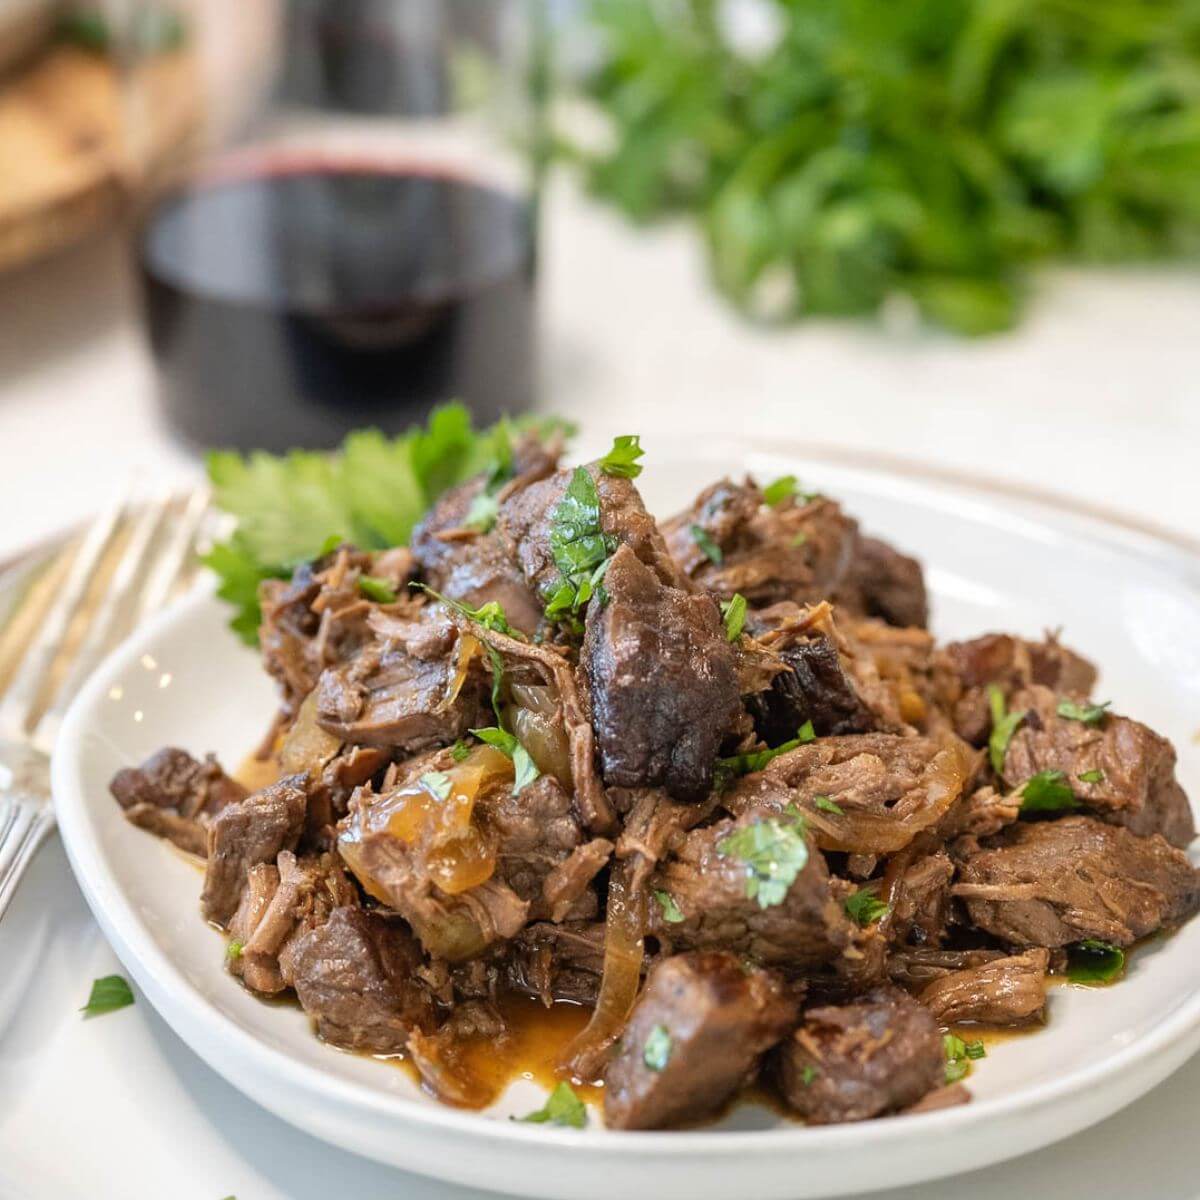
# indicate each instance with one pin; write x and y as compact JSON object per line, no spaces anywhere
{"x":23,"y":828}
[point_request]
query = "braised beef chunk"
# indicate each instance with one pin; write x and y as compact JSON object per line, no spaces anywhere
{"x":1136,"y":785}
{"x":174,"y":796}
{"x":814,"y":687}
{"x":799,"y":549}
{"x":1004,"y":991}
{"x":694,"y":1037}
{"x":877,"y":1055}
{"x":403,"y":689}
{"x":558,"y":962}
{"x":708,"y":896}
{"x":1051,"y":883}
{"x":921,"y":900}
{"x":354,"y":976}
{"x":662,"y":680}
{"x":1010,"y":663}
{"x":472,"y":565}
{"x":247,"y":833}
{"x":887,"y":584}
{"x":526,"y":519}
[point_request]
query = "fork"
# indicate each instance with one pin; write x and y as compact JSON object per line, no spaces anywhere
{"x":125,"y":566}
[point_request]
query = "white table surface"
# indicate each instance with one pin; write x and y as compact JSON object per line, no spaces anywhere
{"x":1097,"y":397}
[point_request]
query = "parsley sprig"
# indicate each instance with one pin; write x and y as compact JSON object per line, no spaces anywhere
{"x":580,"y":548}
{"x":1004,"y":725}
{"x":1047,"y":791}
{"x":524,"y":768}
{"x":774,"y":852}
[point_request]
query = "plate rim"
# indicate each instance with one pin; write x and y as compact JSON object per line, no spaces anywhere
{"x":1158,"y":1052}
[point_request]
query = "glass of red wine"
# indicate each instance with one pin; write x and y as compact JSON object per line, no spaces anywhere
{"x":356,"y":242}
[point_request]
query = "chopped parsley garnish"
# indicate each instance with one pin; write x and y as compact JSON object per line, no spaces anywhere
{"x":490,"y":615}
{"x":774,"y":854}
{"x":579,"y":546}
{"x":709,"y":548}
{"x":562,"y":1107}
{"x":756,"y":760}
{"x":482,"y":512}
{"x":826,"y":805}
{"x":233,"y":951}
{"x":485,"y":505}
{"x":670,"y":910}
{"x":734,"y":613}
{"x":959,"y":1055}
{"x":1094,"y":961}
{"x":459,"y":751}
{"x":864,"y":907}
{"x":108,"y":994}
{"x":1047,"y":792}
{"x":1093,"y":776}
{"x":657,"y":1051}
{"x":378,"y":590}
{"x":1088,"y":714}
{"x":798,"y":538}
{"x":778,"y":490}
{"x":808,"y":1074}
{"x":622,"y":459}
{"x":1004,"y":725}
{"x":436,"y":783}
{"x":524,"y":768}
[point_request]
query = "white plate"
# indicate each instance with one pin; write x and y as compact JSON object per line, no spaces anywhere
{"x":1126,"y":600}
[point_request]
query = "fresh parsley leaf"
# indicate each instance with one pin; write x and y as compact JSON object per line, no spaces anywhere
{"x":774,"y":854}
{"x":975,"y":1050}
{"x":1004,"y":725}
{"x":579,"y":546}
{"x":233,"y":949}
{"x":1093,"y":961}
{"x":482,"y":512}
{"x":657,"y":1051}
{"x":670,"y":910}
{"x":378,"y":590}
{"x":734,"y":613}
{"x":756,"y":760}
{"x":108,"y":994}
{"x":1047,"y":792}
{"x":622,"y":459}
{"x":798,"y":538}
{"x":1093,"y":776}
{"x":371,"y":492}
{"x":525,"y":770}
{"x":459,"y":751}
{"x":779,"y":490}
{"x":864,"y":907}
{"x":1088,"y":714}
{"x":490,"y":615}
{"x":436,"y":783}
{"x":808,"y":1074}
{"x":709,"y":548}
{"x":826,"y":805}
{"x":562,"y":1107}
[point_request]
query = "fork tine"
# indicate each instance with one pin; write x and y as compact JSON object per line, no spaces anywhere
{"x":30,"y":677}
{"x":103,"y":628}
{"x":176,"y":557}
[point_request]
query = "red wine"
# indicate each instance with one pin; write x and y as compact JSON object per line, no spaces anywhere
{"x":289,"y":305}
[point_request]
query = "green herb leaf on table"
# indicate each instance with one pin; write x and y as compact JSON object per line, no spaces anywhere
{"x":1047,"y":791}
{"x":108,"y":994}
{"x":774,"y":853}
{"x":670,"y":910}
{"x":1093,"y":961}
{"x":622,"y":460}
{"x":1004,"y":725}
{"x":865,"y":907}
{"x":708,"y":547}
{"x":733,"y":612}
{"x":657,"y":1051}
{"x":562,"y":1107}
{"x":1086,"y":713}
